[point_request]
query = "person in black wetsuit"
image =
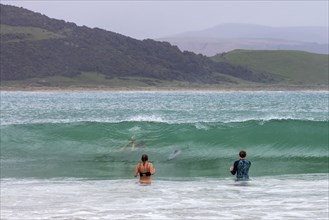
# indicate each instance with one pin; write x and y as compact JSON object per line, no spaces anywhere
{"x":241,"y":167}
{"x":145,"y":170}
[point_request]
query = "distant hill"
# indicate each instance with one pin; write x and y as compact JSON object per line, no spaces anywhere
{"x":39,"y":51}
{"x":35,"y":46}
{"x":228,"y":37}
{"x":293,"y":67}
{"x":236,"y":30}
{"x":212,"y":46}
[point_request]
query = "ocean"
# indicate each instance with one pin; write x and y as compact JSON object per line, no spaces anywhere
{"x":70,"y":155}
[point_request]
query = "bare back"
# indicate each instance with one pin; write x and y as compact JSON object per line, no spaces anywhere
{"x":145,"y":171}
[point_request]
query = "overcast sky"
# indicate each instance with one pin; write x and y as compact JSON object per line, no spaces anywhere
{"x":153,"y":19}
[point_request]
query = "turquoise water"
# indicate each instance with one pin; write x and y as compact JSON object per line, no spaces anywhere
{"x":82,"y":135}
{"x":68,"y":155}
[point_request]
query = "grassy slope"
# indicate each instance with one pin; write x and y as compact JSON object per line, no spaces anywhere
{"x":295,"y":67}
{"x":33,"y":33}
{"x":97,"y":81}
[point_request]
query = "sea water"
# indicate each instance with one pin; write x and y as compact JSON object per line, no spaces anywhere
{"x":69,"y":155}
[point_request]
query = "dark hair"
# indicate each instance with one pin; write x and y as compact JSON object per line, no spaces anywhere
{"x":242,"y":154}
{"x":145,"y":157}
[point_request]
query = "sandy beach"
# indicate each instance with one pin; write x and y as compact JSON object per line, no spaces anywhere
{"x":152,"y":88}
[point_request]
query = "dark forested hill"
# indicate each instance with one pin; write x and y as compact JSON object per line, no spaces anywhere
{"x":34,"y":46}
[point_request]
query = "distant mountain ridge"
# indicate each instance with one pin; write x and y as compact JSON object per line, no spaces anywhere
{"x":228,"y":37}
{"x":236,"y":30}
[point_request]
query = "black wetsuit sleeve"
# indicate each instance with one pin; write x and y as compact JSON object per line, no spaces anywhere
{"x":235,"y":167}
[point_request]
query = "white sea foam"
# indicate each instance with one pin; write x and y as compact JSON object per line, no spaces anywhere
{"x":201,"y":126}
{"x":281,"y":197}
{"x":146,"y":118}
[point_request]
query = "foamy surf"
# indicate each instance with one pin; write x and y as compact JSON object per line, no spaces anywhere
{"x":276,"y":197}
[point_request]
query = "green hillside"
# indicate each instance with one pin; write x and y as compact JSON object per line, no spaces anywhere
{"x":19,"y":33}
{"x":293,"y":67}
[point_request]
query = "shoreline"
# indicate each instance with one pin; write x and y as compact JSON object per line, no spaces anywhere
{"x":168,"y":89}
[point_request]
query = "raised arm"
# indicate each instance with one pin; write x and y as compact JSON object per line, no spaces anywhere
{"x":136,"y":170}
{"x":152,"y":170}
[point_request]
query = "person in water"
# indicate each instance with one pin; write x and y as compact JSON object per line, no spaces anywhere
{"x":145,"y":170}
{"x":241,"y":167}
{"x":134,"y":145}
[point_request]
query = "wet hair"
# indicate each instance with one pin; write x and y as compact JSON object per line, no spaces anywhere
{"x":144,"y":158}
{"x":242,"y":154}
